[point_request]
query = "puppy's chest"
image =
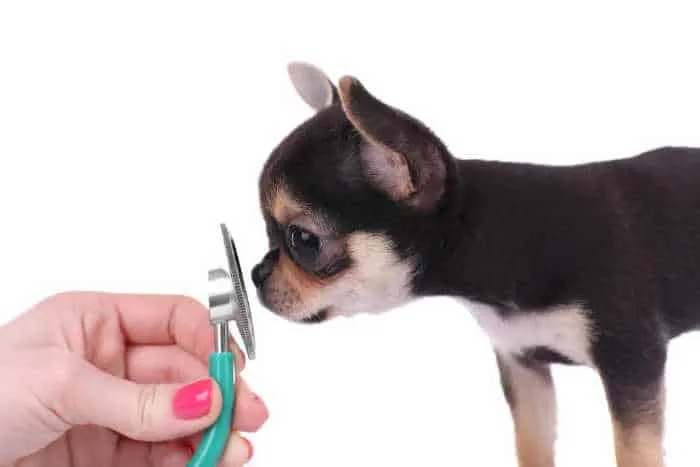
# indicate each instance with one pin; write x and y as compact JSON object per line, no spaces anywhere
{"x":556,"y":334}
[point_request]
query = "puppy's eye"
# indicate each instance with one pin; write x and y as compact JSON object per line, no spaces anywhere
{"x":304,"y":245}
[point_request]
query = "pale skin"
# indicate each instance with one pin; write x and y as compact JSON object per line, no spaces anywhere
{"x":97,"y":379}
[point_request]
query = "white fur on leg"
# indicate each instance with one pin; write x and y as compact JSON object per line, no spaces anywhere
{"x":564,"y":329}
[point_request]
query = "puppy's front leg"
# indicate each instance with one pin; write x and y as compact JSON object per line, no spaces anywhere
{"x":529,"y":390}
{"x":633,"y":378}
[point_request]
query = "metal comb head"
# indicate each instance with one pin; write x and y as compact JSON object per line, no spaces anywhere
{"x":228,"y":300}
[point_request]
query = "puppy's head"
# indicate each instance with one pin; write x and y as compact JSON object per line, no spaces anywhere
{"x":348,"y":197}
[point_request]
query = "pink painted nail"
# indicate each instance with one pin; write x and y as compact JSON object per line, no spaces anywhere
{"x":250,"y":448}
{"x":193,"y":401}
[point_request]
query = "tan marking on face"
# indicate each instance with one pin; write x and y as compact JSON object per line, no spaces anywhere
{"x":292,"y":291}
{"x":297,"y":277}
{"x":284,"y":207}
{"x":376,"y":282}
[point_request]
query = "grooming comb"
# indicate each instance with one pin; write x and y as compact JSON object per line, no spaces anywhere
{"x":228,"y":302}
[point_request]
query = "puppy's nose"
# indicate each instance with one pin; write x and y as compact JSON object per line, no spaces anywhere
{"x":262,"y":271}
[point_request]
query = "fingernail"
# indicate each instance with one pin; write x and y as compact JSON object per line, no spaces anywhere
{"x":193,"y":401}
{"x":250,"y":448}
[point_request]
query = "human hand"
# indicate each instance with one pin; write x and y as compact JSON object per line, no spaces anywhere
{"x":97,"y":379}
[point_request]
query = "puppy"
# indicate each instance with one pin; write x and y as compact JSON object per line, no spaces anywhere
{"x":596,"y":264}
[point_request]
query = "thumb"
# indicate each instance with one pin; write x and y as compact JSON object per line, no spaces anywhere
{"x":143,"y":412}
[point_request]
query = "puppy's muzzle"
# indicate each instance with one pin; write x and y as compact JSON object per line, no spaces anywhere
{"x":263,"y":270}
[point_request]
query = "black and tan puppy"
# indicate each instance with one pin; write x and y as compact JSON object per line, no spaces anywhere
{"x":596,"y":264}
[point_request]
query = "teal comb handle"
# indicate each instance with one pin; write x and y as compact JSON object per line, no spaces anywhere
{"x":211,"y":448}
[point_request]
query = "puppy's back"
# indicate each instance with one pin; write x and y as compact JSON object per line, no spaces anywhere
{"x":660,"y":193}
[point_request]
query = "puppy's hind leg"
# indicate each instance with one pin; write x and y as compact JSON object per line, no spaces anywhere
{"x":529,"y":390}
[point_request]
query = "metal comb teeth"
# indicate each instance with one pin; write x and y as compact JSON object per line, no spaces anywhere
{"x":242,"y":314}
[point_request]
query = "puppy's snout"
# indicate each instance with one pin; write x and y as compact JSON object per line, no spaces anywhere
{"x":263,"y":270}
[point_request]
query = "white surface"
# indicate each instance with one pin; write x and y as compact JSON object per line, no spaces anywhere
{"x":129,"y":129}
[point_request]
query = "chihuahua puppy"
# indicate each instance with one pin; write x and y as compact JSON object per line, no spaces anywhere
{"x":596,"y":264}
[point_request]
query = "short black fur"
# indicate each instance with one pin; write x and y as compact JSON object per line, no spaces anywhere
{"x":620,"y":238}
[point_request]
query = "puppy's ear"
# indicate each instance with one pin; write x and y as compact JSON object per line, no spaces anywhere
{"x":312,"y":85}
{"x":401,"y":156}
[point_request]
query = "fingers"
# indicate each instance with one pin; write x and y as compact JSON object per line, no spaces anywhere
{"x":163,"y":320}
{"x":250,"y":412}
{"x":142,"y":320}
{"x":172,"y":454}
{"x":130,"y":453}
{"x":250,"y":415}
{"x":238,"y":452}
{"x":238,"y":355}
{"x":170,"y":364}
{"x":167,"y":364}
{"x":162,"y":364}
{"x":81,"y":394}
{"x":169,"y":319}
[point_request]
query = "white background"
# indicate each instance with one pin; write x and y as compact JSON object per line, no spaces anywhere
{"x":129,"y":129}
